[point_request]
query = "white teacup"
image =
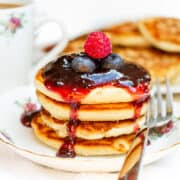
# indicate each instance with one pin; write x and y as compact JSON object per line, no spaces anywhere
{"x":17,"y":31}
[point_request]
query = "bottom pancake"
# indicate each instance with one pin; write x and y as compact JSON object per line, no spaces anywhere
{"x":94,"y":130}
{"x":106,"y":146}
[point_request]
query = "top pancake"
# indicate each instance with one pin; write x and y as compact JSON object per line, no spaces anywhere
{"x":59,"y":81}
{"x":126,"y":34}
{"x":161,"y":32}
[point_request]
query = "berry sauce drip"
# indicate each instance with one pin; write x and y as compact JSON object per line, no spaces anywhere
{"x":138,"y":105}
{"x":59,"y":77}
{"x":27,"y":117}
{"x":136,"y":128}
{"x":67,"y":149}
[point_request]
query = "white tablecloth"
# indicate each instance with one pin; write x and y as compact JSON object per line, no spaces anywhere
{"x":12,"y":166}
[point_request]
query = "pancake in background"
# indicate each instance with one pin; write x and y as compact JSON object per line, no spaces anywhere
{"x":161,"y":32}
{"x":75,"y":45}
{"x":126,"y":34}
{"x":93,"y":112}
{"x":160,"y":64}
{"x":106,"y":146}
{"x":94,"y":130}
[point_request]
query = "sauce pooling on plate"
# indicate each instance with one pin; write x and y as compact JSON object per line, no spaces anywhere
{"x":27,"y":117}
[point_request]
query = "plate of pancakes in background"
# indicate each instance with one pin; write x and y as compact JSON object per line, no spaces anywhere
{"x":84,"y":111}
{"x":153,"y":43}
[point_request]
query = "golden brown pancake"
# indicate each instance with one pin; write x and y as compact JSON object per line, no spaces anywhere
{"x":106,"y":146}
{"x":93,"y":112}
{"x":126,"y":34}
{"x":98,"y":95}
{"x":75,"y":45}
{"x":162,"y":32}
{"x":94,"y":130}
{"x":160,"y":64}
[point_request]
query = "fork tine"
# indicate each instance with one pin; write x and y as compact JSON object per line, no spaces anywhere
{"x":152,"y":113}
{"x":169,"y":100}
{"x":148,"y":115}
{"x":159,"y":101}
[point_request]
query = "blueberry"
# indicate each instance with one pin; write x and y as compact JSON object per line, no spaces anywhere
{"x":83,"y":64}
{"x":113,"y":61}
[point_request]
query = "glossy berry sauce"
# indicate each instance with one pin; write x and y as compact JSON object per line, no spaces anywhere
{"x":67,"y":149}
{"x":59,"y":77}
{"x":138,"y":105}
{"x":73,"y":86}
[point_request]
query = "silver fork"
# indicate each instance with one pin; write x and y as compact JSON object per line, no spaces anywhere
{"x":155,"y":117}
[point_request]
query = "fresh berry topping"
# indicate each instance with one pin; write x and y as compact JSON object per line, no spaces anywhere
{"x":113,"y":61}
{"x":83,"y":64}
{"x":98,"y":45}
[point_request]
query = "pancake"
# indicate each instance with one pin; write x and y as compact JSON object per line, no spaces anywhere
{"x":93,"y":112}
{"x":97,"y":95}
{"x":106,"y":146}
{"x":75,"y":45}
{"x":59,"y":81}
{"x":126,"y":34}
{"x":94,"y":130}
{"x":159,"y":64}
{"x":162,"y":32}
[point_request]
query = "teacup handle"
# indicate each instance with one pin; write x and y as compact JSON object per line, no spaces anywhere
{"x":54,"y":51}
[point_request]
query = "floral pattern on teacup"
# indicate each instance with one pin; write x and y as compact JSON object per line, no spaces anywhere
{"x":12,"y":24}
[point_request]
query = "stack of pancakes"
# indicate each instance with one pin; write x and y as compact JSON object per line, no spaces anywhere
{"x":102,"y":120}
{"x":153,"y":43}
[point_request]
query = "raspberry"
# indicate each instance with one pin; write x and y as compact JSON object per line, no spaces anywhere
{"x":98,"y":45}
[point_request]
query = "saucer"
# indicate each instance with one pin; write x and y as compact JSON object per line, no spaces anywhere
{"x":22,"y":140}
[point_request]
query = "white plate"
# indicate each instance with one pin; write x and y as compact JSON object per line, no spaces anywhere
{"x":24,"y":143}
{"x":175,"y":89}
